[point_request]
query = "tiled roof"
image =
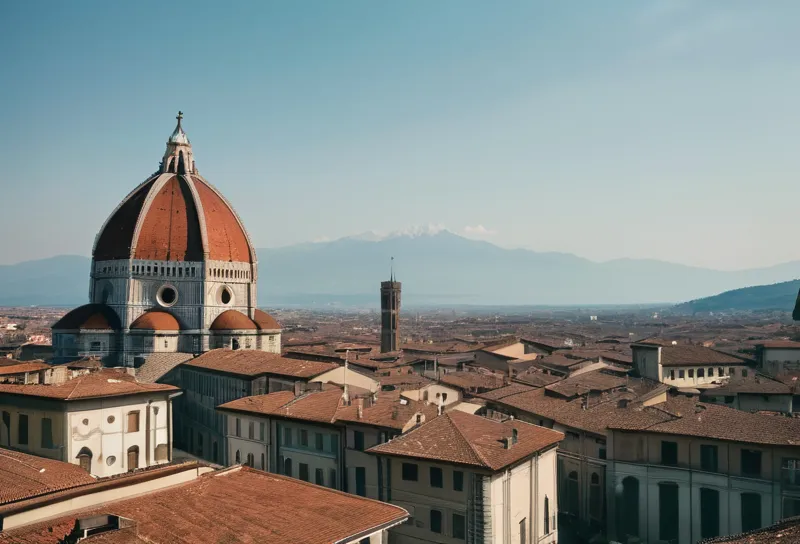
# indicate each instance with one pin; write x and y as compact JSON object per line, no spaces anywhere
{"x":758,"y":384}
{"x":558,"y":360}
{"x":23,"y":476}
{"x":317,"y":406}
{"x":264,"y":321}
{"x":156,"y":320}
{"x":255,"y":363}
{"x":779,"y":344}
{"x":786,"y":531}
{"x":466,"y":439}
{"x":89,"y":317}
{"x":536,"y":378}
{"x":506,"y":391}
{"x":156,"y":365}
{"x":695,"y":355}
{"x":22,"y":367}
{"x":595,"y":380}
{"x":104,"y":383}
{"x":404,"y":381}
{"x":87,"y":363}
{"x":232,"y":320}
{"x":388,"y":412}
{"x":690,"y":418}
{"x":550,"y":343}
{"x":235,"y":505}
{"x":472,"y":380}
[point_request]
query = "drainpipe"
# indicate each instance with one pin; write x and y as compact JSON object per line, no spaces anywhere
{"x":535,"y":524}
{"x":147,"y":435}
{"x":169,"y":423}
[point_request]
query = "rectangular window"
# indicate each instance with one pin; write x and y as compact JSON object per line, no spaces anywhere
{"x":22,"y":431}
{"x":358,"y":440}
{"x":681,"y":374}
{"x":709,"y":507}
{"x":47,"y":433}
{"x":744,"y":373}
{"x":458,"y":480}
{"x":133,"y":422}
{"x":287,"y":436}
{"x":729,"y":399}
{"x":436,"y":521}
{"x":303,"y":437}
{"x":361,"y":481}
{"x":601,"y":453}
{"x":261,"y":431}
{"x":731,"y":371}
{"x":790,"y":472}
{"x":791,"y":507}
{"x":701,"y":372}
{"x":436,"y":477}
{"x":304,"y":471}
{"x":669,"y":453}
{"x":751,"y":463}
{"x":318,"y":441}
{"x":710,"y":372}
{"x":459,"y":526}
{"x":671,"y":374}
{"x":410,"y":472}
{"x":720,"y":372}
{"x":319,"y":477}
{"x":238,"y":427}
{"x":750,"y":513}
{"x":332,"y":478}
{"x":523,"y":531}
{"x":708,"y":457}
{"x":251,"y":430}
{"x":335,"y":443}
{"x":691,"y":373}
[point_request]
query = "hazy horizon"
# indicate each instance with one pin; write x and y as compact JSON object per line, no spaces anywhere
{"x":652,"y":130}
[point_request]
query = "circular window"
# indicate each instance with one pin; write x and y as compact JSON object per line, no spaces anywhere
{"x":110,"y":419}
{"x":225,"y":296}
{"x":167,"y":295}
{"x":110,"y":460}
{"x":85,"y":422}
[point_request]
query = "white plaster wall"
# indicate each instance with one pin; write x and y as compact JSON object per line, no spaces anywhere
{"x":686,"y":381}
{"x":339,"y":376}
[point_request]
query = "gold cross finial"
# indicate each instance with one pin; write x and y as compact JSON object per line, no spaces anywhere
{"x":180,"y":116}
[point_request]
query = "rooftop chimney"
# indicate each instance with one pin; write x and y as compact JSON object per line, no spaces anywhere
{"x":360,"y":411}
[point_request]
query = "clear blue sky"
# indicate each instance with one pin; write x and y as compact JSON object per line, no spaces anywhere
{"x":662,"y":129}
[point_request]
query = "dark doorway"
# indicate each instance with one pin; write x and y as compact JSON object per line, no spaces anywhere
{"x":751,"y":512}
{"x":668,"y":512}
{"x":628,"y":509}
{"x":709,"y":513}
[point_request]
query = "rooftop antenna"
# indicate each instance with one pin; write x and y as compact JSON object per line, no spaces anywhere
{"x":391,"y":268}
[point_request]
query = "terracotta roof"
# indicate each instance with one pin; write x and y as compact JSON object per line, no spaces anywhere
{"x":506,"y":391}
{"x":23,"y":476}
{"x":104,"y":383}
{"x":234,"y":505}
{"x":499,"y":343}
{"x":472,"y":380}
{"x":232,"y":320}
{"x":758,"y":384}
{"x":412,"y":381}
{"x":264,"y":321}
{"x":156,"y":320}
{"x":466,"y":439}
{"x":256,"y":363}
{"x":20,"y":368}
{"x":168,"y":209}
{"x":389,"y":412}
{"x":595,"y":380}
{"x":89,"y":316}
{"x":558,"y":360}
{"x":786,"y":531}
{"x":156,"y":365}
{"x":443,"y":347}
{"x":536,"y":378}
{"x":686,"y":417}
{"x":695,"y":355}
{"x":317,"y":406}
{"x":87,"y":363}
{"x":779,"y":344}
{"x":549,"y":343}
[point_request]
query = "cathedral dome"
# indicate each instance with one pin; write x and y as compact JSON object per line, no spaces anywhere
{"x":175,"y":215}
{"x":230,"y":320}
{"x":156,"y":320}
{"x":264,"y":321}
{"x":89,"y":317}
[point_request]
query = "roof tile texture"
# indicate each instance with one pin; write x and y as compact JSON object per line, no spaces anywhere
{"x":467,"y":439}
{"x":104,"y":383}
{"x":156,"y":320}
{"x":255,"y":363}
{"x":232,"y":320}
{"x":23,"y":476}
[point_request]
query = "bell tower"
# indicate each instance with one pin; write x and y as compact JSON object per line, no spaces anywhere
{"x":390,"y":314}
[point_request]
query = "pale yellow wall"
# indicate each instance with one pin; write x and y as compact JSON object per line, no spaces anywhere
{"x":340,"y":377}
{"x":514,"y":350}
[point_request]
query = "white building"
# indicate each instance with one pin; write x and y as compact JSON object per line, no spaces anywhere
{"x":105,"y":421}
{"x":463,"y":477}
{"x":173,"y":270}
{"x":682,"y":471}
{"x":686,"y":366}
{"x":778,"y":357}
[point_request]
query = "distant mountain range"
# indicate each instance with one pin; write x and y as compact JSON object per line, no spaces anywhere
{"x":778,"y":296}
{"x":437,"y":267}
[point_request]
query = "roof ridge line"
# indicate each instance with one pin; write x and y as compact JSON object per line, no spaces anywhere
{"x":480,"y":457}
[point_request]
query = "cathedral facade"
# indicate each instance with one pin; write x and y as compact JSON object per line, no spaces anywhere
{"x":173,"y":270}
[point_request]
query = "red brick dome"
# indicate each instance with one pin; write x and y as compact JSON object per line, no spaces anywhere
{"x":156,"y":320}
{"x":232,"y":320}
{"x":264,"y":321}
{"x":172,"y":217}
{"x":89,"y":317}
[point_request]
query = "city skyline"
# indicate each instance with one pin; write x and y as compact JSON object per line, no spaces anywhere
{"x":655,"y":130}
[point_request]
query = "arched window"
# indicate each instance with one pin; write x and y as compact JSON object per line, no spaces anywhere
{"x":546,"y":515}
{"x":251,"y":460}
{"x":133,"y":457}
{"x":595,"y":497}
{"x":628,"y":509}
{"x":287,"y":467}
{"x":238,"y":457}
{"x":85,"y":459}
